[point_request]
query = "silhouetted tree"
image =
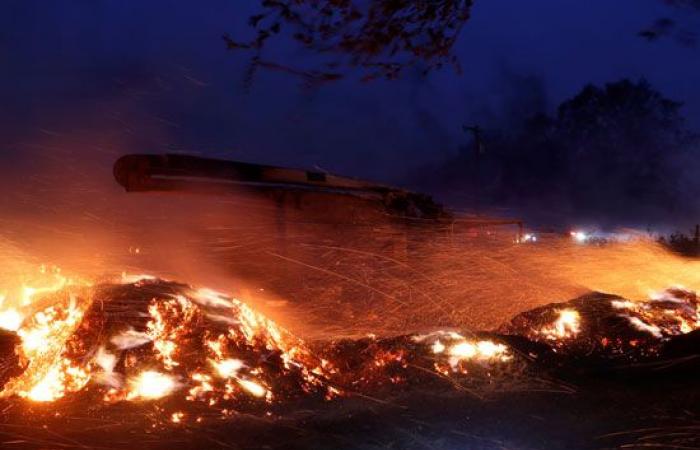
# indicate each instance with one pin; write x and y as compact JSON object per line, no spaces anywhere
{"x":611,"y":151}
{"x":622,"y":142}
{"x":684,"y":244}
{"x":380,"y":38}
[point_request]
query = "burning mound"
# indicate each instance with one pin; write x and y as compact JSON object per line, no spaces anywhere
{"x":601,"y":329}
{"x":150,"y":339}
{"x":146,"y":339}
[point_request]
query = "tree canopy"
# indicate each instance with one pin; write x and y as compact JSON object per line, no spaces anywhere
{"x":619,"y":147}
{"x":376,"y":38}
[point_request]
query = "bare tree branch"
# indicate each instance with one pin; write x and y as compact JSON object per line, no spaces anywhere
{"x":377,"y":39}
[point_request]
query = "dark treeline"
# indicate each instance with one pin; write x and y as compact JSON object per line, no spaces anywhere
{"x":684,"y":244}
{"x":619,"y":153}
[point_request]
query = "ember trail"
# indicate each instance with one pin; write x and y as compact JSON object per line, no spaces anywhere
{"x":469,"y":310}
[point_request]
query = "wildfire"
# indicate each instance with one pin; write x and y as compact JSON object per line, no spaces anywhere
{"x":143,"y":339}
{"x":215,"y":347}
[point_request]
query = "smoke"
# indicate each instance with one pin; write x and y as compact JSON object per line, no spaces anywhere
{"x":613,"y":155}
{"x":520,"y":96}
{"x":77,"y":100}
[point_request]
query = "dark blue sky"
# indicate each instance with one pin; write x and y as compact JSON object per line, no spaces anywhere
{"x":133,"y":76}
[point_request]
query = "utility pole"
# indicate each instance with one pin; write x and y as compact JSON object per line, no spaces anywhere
{"x":478,"y":151}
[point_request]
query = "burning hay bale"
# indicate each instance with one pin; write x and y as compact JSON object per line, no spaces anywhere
{"x":153,"y":339}
{"x":405,"y":362}
{"x":602,"y":330}
{"x":149,"y":341}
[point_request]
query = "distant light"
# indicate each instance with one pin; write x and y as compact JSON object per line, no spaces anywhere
{"x":579,"y":236}
{"x":528,"y":237}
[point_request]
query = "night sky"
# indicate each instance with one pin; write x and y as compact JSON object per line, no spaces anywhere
{"x":129,"y":77}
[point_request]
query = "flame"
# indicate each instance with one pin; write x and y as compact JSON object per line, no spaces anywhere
{"x":567,"y":325}
{"x":458,"y":349}
{"x":151,"y":385}
{"x":10,"y":319}
{"x":60,"y":378}
{"x":44,"y":333}
{"x":668,"y":313}
{"x":228,"y":368}
{"x":185,"y":345}
{"x":157,"y":359}
{"x":483,"y":350}
{"x":199,"y":345}
{"x":253,"y":388}
{"x":164,"y":333}
{"x":438,"y":347}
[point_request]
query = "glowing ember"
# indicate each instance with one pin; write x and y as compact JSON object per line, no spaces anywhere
{"x":667,"y":313}
{"x":165,"y":334}
{"x":61,"y":378}
{"x":489,"y":350}
{"x":478,"y":351}
{"x":151,"y":385}
{"x":253,"y":388}
{"x":567,"y":325}
{"x":458,"y":349}
{"x":49,"y":375}
{"x":217,"y":349}
{"x":438,"y":347}
{"x":463,"y":350}
{"x":228,"y":368}
{"x":152,"y":339}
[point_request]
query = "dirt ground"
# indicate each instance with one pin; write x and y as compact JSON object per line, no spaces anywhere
{"x":598,"y":414}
